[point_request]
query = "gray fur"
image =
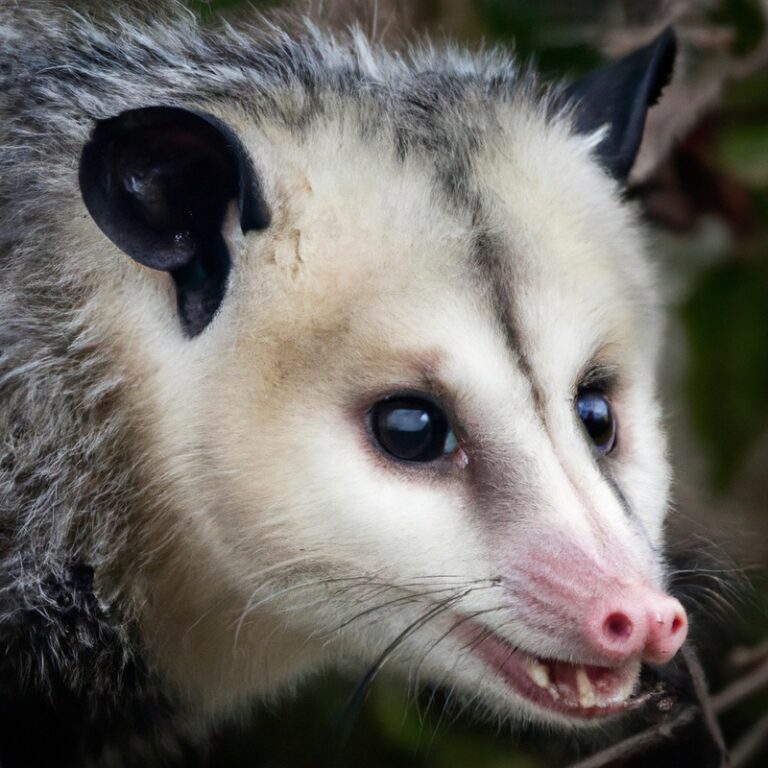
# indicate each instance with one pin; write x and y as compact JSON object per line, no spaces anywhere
{"x":73,"y":491}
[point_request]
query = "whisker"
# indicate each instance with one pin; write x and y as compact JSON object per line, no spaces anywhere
{"x":411,"y":596}
{"x":358,"y":582}
{"x":452,"y":628}
{"x":361,"y":692}
{"x":251,"y":606}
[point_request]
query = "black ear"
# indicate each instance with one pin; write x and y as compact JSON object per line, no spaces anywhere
{"x":158,"y":182}
{"x":618,"y":96}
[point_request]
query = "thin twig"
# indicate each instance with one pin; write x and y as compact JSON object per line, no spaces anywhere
{"x":640,"y":742}
{"x":663,"y":731}
{"x":742,"y":689}
{"x":708,"y":706}
{"x":746,"y":656}
{"x":749,"y":744}
{"x":699,"y":680}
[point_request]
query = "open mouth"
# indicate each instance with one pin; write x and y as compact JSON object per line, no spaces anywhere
{"x":575,"y":690}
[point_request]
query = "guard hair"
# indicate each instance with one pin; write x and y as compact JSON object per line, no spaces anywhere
{"x":222,"y":248}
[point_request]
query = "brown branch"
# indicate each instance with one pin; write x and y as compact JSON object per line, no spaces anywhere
{"x":640,"y":742}
{"x":742,"y":689}
{"x":694,"y":92}
{"x":651,"y":737}
{"x":746,"y":656}
{"x":749,"y":744}
{"x":708,"y":707}
{"x":706,"y":702}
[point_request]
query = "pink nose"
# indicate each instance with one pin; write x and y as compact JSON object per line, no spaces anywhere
{"x":640,"y":622}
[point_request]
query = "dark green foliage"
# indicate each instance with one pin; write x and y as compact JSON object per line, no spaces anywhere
{"x":539,"y":32}
{"x":745,"y":16}
{"x":727,"y":322}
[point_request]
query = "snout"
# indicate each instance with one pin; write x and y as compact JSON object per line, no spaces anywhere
{"x":605,"y":615}
{"x":637,"y":622}
{"x":612,"y":625}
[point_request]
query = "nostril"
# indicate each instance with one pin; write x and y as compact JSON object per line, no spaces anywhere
{"x":668,"y":627}
{"x":618,"y":626}
{"x":635,"y":622}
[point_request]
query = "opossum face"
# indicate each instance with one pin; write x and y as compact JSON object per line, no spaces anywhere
{"x":418,"y":430}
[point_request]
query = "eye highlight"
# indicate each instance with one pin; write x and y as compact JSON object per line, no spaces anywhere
{"x":596,"y":415}
{"x":411,"y":428}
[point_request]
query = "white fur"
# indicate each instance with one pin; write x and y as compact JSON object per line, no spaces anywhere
{"x":263,"y":459}
{"x":274,"y":523}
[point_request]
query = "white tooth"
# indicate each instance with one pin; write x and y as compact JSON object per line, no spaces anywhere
{"x":585,"y":689}
{"x":626,"y":690}
{"x":539,"y":673}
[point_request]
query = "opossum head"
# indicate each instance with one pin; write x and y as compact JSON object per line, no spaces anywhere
{"x":399,"y":387}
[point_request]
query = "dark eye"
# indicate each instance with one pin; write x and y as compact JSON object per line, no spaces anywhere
{"x":595,"y":413}
{"x":412,"y":429}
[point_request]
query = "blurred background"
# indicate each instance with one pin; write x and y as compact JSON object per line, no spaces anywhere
{"x":702,"y":183}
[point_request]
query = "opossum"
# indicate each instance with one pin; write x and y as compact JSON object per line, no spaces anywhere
{"x":314,"y":354}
